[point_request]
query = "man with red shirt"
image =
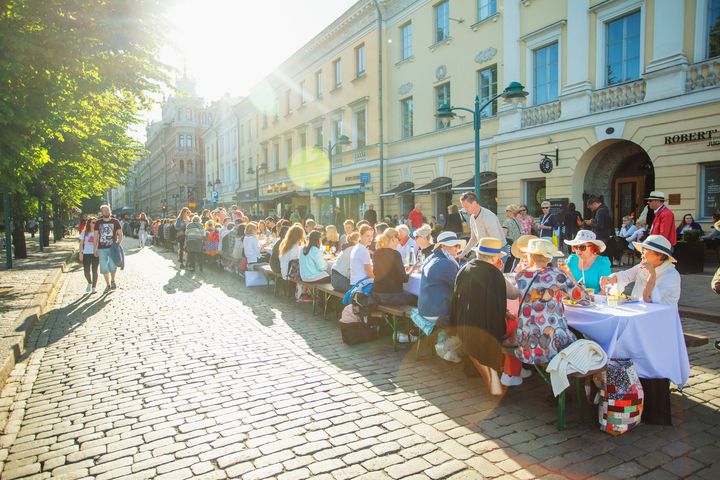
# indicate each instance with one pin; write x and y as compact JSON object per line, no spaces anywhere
{"x":664,"y":221}
{"x":416,"y":217}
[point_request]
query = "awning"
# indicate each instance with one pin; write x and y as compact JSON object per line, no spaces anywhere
{"x":278,"y":196}
{"x":486,"y":178}
{"x":440,"y":184}
{"x":245,"y":196}
{"x":403,"y":188}
{"x":338,"y":192}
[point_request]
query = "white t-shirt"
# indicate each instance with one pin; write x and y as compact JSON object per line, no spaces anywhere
{"x":359,"y":257}
{"x":292,"y":254}
{"x":342,"y":264}
{"x":88,"y":247}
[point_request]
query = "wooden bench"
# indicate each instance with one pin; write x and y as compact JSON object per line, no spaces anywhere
{"x":393,"y":313}
{"x":271,"y":278}
{"x":580,"y":396}
{"x":695,"y":340}
{"x":328,"y":292}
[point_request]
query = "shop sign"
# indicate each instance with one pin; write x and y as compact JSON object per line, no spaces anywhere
{"x":364,"y":178}
{"x":557,"y":205}
{"x":701,"y":135}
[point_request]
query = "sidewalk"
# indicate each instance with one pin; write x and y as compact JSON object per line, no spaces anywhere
{"x":24,"y":292}
{"x":697,"y":300}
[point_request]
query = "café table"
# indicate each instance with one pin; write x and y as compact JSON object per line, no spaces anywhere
{"x":649,"y":334}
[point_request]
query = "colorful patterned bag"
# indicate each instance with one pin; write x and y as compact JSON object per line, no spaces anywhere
{"x":620,"y":397}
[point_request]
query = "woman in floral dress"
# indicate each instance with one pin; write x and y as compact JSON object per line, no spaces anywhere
{"x":542,"y":329}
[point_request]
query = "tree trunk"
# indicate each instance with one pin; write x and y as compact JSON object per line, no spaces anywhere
{"x":18,"y":236}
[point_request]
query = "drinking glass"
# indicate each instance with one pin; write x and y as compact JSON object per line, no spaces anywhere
{"x":333,"y":249}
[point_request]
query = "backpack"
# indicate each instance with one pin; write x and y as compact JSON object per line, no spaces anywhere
{"x":363,"y":305}
{"x":294,"y":270}
{"x":354,"y":330}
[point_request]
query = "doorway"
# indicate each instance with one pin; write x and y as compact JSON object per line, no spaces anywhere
{"x":629,"y":193}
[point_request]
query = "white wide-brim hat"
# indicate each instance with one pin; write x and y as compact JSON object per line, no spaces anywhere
{"x":449,"y":239}
{"x":717,"y":225}
{"x":541,"y":246}
{"x":586,"y":236}
{"x":656,"y":243}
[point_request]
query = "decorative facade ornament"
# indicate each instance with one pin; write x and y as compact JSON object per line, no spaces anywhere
{"x":405,"y":88}
{"x":441,"y":72}
{"x":485,"y":55}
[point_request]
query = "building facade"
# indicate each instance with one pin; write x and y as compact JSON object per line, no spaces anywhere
{"x":623,"y":99}
{"x":173,"y":172}
{"x":221,"y":148}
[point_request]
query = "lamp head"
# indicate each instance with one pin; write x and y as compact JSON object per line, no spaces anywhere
{"x":343,"y":140}
{"x":514,"y":93}
{"x":444,"y":112}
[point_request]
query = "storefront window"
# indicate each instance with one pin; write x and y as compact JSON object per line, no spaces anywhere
{"x":710,"y":186}
{"x":534,"y":196}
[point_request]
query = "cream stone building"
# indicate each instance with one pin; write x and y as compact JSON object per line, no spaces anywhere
{"x":625,"y":92}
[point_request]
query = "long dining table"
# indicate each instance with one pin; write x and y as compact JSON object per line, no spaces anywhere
{"x":649,"y":334}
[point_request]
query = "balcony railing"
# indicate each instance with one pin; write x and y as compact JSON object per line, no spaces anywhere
{"x":703,"y":75}
{"x":540,"y":114}
{"x":617,"y":96}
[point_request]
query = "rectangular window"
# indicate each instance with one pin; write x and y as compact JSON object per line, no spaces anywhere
{"x":622,"y":49}
{"x":713,"y":28}
{"x":242,"y":134}
{"x":319,"y":139}
{"x":337,"y":68}
{"x":303,"y":146}
{"x":337,"y":130}
{"x":360,"y":60}
{"x":288,"y":151}
{"x":288,"y":96}
{"x":406,"y":41}
{"x":303,"y":100}
{"x":360,"y":130}
{"x":276,"y":156}
{"x":276,"y":108}
{"x":265,"y":123}
{"x":486,"y":9}
{"x":442,"y":21}
{"x":318,"y":84}
{"x":265,"y":157}
{"x":545,"y":74}
{"x":182,"y":166}
{"x":487,"y":88}
{"x":442,"y":95}
{"x":406,"y":110}
{"x":710,"y":190}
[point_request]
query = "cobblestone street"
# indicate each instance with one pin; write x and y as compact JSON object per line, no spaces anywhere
{"x":176,"y":375}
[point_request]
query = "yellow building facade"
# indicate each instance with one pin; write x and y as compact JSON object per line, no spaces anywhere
{"x":625,"y":91}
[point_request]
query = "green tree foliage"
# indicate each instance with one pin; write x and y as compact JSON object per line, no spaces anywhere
{"x":74,"y":76}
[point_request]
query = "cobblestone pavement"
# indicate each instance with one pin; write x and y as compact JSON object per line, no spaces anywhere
{"x":181,"y":376}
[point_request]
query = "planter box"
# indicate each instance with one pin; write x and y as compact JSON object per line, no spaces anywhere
{"x":690,"y":257}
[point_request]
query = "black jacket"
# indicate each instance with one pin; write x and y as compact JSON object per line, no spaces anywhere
{"x":602,"y":223}
{"x":389,"y":271}
{"x":478,"y":309}
{"x":454,"y":223}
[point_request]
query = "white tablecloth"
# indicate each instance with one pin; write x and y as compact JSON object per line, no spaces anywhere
{"x":649,"y":334}
{"x":413,"y":285}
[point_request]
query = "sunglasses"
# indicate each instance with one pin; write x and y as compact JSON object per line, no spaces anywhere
{"x":580,"y":248}
{"x":545,"y":208}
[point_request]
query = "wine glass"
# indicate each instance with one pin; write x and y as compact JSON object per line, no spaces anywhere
{"x":333,"y":249}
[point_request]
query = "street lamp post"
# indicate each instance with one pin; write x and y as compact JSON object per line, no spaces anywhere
{"x":332,"y":148}
{"x":256,"y":172}
{"x":513,"y":93}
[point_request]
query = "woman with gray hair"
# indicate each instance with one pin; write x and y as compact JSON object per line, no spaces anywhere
{"x":424,"y":241}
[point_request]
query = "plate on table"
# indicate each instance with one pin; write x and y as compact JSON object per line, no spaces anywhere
{"x":572,"y":303}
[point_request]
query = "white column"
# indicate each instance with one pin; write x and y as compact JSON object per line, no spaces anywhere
{"x":577,"y":89}
{"x":665,"y":74}
{"x":510,"y":115}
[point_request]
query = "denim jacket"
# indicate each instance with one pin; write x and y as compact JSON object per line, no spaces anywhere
{"x":437,"y":283}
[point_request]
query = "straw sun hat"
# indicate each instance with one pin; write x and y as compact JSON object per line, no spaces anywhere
{"x":519,"y":244}
{"x":541,"y":246}
{"x":492,"y":247}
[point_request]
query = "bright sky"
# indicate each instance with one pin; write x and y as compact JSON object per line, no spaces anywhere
{"x":230,"y":45}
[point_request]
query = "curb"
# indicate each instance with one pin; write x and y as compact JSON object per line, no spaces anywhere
{"x":27,"y":318}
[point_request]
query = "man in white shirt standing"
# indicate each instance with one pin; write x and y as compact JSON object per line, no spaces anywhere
{"x":483,"y":223}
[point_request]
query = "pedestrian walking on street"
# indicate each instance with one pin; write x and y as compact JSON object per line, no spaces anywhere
{"x":602,"y":224}
{"x":142,"y":227}
{"x":370,"y":215}
{"x":483,"y":224}
{"x":180,"y":224}
{"x":87,"y":254}
{"x":108,"y":232}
